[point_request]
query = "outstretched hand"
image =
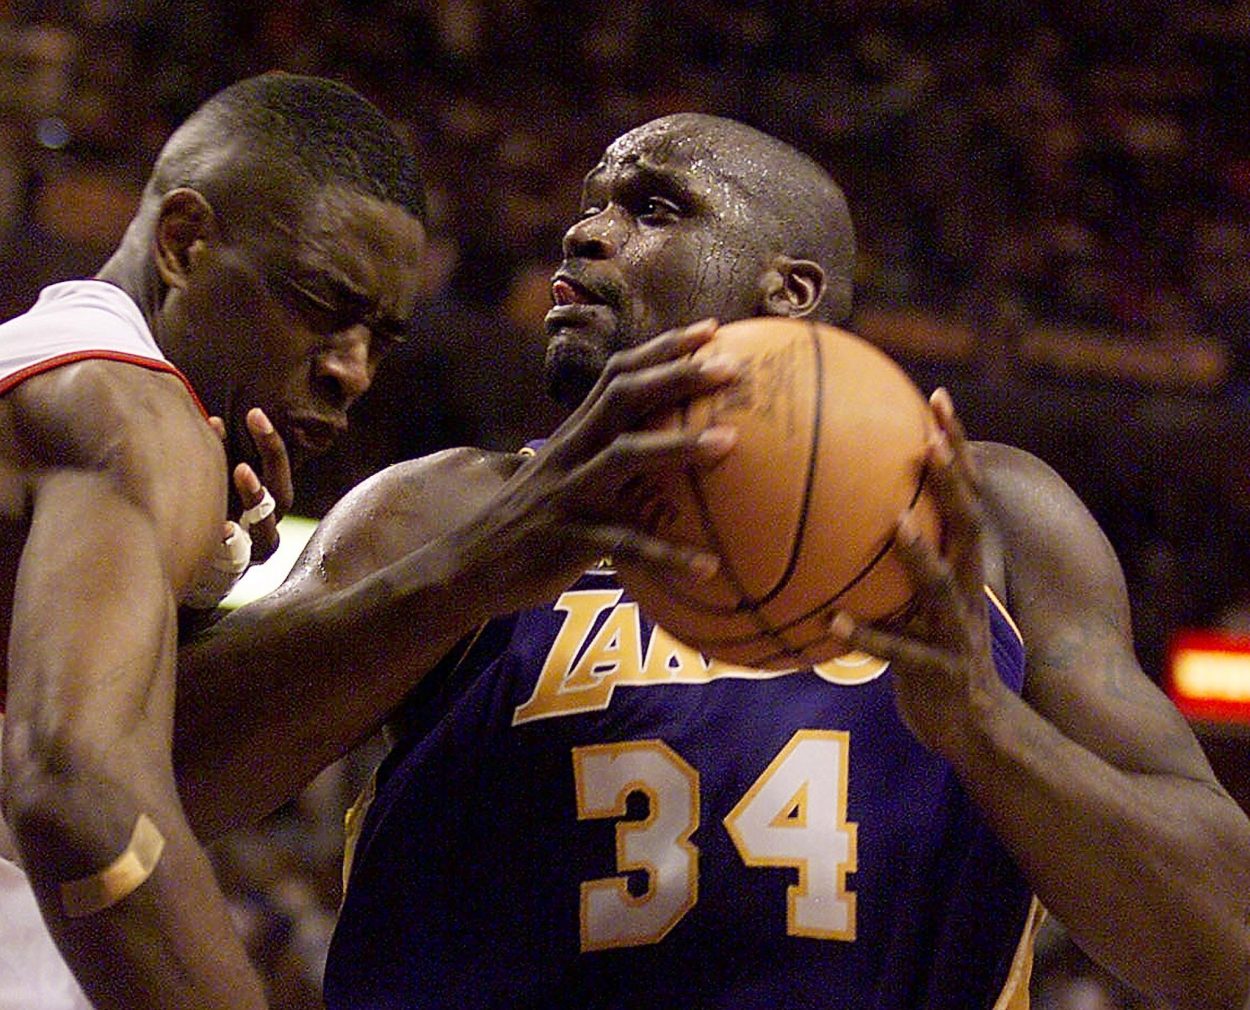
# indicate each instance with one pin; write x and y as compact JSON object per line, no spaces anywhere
{"x":942,"y":659}
{"x":571,"y":504}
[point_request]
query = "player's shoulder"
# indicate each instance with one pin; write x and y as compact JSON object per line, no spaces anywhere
{"x":90,"y":411}
{"x":1043,"y":526}
{"x":1014,"y":481}
{"x":1017,"y":486}
{"x":415,"y":500}
{"x":1007,"y":465}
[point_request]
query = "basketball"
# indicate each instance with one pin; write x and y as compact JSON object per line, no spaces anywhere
{"x":802,"y":511}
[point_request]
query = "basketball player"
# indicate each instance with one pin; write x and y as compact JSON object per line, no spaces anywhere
{"x":274,"y":257}
{"x":579,"y":811}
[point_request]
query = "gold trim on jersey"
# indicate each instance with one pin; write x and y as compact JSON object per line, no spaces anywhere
{"x":353,"y":822}
{"x":1002,"y":609}
{"x":1015,"y":991}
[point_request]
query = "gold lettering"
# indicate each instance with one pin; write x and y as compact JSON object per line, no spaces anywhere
{"x":614,"y":656}
{"x":581,"y":677}
{"x":671,"y":661}
{"x":583,"y":608}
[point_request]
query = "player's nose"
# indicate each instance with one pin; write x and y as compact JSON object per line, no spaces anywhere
{"x":345,"y":366}
{"x":596,"y":236}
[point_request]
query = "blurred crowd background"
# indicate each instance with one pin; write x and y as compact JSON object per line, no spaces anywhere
{"x":1053,"y":208}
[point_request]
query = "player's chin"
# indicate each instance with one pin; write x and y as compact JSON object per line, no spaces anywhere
{"x":571,"y":370}
{"x":578,"y":346}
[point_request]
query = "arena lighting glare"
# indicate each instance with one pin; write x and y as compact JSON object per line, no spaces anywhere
{"x":1208,"y":675}
{"x":264,"y":579}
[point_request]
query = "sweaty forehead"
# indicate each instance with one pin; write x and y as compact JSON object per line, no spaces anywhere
{"x":690,"y":151}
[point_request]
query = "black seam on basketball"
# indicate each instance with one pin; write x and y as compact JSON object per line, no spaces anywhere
{"x":796,"y":542}
{"x":789,"y":650}
{"x":747,"y":604}
{"x":713,"y":540}
{"x":813,"y":453}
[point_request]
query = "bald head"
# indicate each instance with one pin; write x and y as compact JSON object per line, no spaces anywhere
{"x":689,"y":217}
{"x":800,"y":211}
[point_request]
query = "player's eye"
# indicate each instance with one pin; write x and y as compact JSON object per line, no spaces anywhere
{"x":324,"y":309}
{"x":658,"y":208}
{"x":318,"y":311}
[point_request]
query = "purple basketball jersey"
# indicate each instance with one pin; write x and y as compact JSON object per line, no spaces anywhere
{"x":592,"y":815}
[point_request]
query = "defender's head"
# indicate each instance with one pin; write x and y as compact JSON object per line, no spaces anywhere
{"x":691,"y":216}
{"x":285,"y":221}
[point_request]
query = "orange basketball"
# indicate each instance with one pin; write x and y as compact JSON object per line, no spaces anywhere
{"x":802,"y":511}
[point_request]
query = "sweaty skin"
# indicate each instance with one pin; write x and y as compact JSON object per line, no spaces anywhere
{"x":1091,"y":778}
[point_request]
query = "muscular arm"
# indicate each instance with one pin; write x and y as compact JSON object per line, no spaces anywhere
{"x":1093,"y":779}
{"x":407,"y":565}
{"x":126,"y":490}
{"x":383,"y":590}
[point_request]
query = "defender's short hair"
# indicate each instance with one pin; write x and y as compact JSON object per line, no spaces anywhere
{"x":317,"y":130}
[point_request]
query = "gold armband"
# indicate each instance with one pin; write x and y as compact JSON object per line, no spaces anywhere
{"x":95,"y":893}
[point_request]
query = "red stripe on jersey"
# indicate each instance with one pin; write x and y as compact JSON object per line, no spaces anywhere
{"x":14,"y":380}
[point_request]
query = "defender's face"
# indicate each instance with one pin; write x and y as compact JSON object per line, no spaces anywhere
{"x":300,"y":314}
{"x":666,"y":237}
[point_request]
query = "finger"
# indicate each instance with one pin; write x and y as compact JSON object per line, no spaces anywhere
{"x":963,"y":514}
{"x":218,"y":426}
{"x":672,"y":345}
{"x":936,"y":582}
{"x":248,"y":486}
{"x":646,"y":398}
{"x":643,"y":463}
{"x":275,"y":464}
{"x":662,"y":558}
{"x":953,"y":429}
{"x":264,"y":533}
{"x":907,"y":653}
{"x":667,"y":448}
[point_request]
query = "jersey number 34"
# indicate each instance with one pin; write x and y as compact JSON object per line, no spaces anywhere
{"x":794,"y":815}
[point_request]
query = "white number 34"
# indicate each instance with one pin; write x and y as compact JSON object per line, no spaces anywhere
{"x":794,"y":815}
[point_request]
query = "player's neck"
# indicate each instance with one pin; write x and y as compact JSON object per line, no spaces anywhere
{"x":130,"y":269}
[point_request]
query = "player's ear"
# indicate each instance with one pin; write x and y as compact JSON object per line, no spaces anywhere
{"x":185,"y":222}
{"x":791,"y":287}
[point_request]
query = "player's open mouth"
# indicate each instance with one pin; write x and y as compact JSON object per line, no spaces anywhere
{"x":565,"y":291}
{"x":576,"y":306}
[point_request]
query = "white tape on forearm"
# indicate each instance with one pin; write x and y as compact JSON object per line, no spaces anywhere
{"x":263,"y":509}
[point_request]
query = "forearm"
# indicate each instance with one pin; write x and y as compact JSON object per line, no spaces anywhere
{"x":282,"y":687}
{"x":171,"y":942}
{"x":86,"y":762}
{"x":1149,"y":872}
